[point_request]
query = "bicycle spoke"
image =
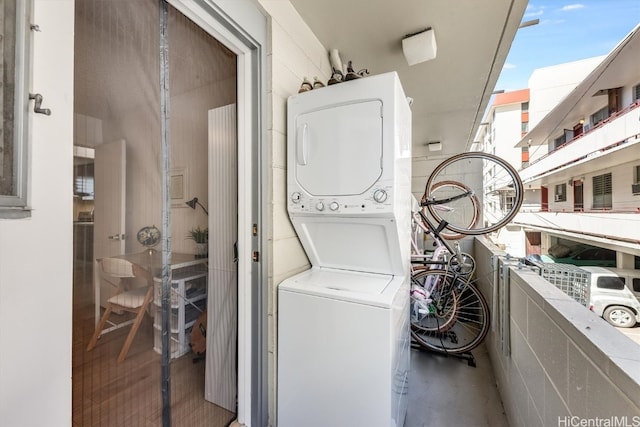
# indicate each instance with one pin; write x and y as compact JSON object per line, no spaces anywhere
{"x":466,"y":322}
{"x":499,"y":192}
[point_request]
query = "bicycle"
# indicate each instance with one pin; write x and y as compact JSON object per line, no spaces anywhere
{"x":448,"y":314}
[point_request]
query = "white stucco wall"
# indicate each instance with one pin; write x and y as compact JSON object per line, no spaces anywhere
{"x":507,"y":127}
{"x":35,"y":253}
{"x":549,"y":85}
{"x":294,"y":53}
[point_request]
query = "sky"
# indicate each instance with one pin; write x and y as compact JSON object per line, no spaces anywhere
{"x":569,"y":30}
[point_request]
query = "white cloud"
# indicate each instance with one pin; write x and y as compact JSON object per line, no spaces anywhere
{"x":508,"y":66}
{"x":572,"y":7}
{"x":533,"y":10}
{"x":531,"y":13}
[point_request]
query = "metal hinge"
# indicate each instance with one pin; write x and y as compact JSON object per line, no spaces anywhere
{"x":255,"y":256}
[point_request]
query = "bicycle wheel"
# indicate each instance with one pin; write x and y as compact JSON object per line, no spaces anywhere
{"x":500,"y":192}
{"x":466,"y":332}
{"x":434,"y":303}
{"x":466,"y":209}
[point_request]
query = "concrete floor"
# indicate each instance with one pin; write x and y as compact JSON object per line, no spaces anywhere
{"x":446,"y":391}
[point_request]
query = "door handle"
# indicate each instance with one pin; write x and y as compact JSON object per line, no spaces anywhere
{"x":116,"y":237}
{"x":302,"y":144}
{"x":37,"y":108}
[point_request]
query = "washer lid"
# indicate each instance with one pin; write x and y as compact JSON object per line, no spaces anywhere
{"x":354,"y":286}
{"x":338,"y":149}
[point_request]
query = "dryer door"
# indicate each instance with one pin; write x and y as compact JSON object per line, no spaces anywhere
{"x":338,"y":150}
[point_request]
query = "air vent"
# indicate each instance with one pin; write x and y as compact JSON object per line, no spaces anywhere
{"x":635,"y":188}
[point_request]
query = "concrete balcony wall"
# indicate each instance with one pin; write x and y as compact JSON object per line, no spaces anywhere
{"x":596,"y":226}
{"x":553,"y":359}
{"x":622,"y":127}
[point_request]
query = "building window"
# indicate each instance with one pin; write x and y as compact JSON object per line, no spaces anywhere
{"x":525,"y":127}
{"x":602,"y":191}
{"x":14,"y":159}
{"x":525,"y":157}
{"x":558,"y":142}
{"x":507,"y":203}
{"x":599,"y":116}
{"x":636,"y":92}
{"x":525,"y":107}
{"x":561,"y":193}
{"x":635,"y":185}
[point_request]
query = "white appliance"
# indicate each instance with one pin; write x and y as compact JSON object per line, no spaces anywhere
{"x":343,"y":332}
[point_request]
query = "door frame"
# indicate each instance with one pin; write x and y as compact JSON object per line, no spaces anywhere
{"x":242,"y":28}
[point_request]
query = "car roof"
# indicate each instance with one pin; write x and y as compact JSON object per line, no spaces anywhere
{"x":607,"y":270}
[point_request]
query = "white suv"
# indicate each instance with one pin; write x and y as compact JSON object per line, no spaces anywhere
{"x":615,"y":295}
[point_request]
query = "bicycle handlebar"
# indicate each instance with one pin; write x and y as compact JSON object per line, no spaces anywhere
{"x":447,"y":200}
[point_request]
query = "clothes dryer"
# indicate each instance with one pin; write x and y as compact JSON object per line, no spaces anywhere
{"x":349,"y":162}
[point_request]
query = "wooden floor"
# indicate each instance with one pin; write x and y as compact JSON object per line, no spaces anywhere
{"x":106,"y":393}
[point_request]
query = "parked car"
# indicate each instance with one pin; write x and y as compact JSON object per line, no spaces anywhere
{"x":538,"y":258}
{"x":582,"y":255}
{"x":614,"y":295}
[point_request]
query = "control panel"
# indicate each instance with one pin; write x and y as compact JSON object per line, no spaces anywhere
{"x":377,"y":200}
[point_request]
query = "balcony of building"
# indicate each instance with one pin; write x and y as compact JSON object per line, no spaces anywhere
{"x":552,"y":358}
{"x":609,"y":142}
{"x":604,"y":228}
{"x":546,"y":361}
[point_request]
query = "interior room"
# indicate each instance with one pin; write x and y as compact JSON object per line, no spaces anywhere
{"x":129,"y":99}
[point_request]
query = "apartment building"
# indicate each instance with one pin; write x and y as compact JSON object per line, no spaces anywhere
{"x":584,"y":162}
{"x":508,"y":119}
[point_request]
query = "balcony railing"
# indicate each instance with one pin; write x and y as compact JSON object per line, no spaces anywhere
{"x":617,"y":130}
{"x":555,"y":362}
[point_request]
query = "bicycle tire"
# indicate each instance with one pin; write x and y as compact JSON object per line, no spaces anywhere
{"x":438,"y":313}
{"x":469,"y":329}
{"x":500,"y":189}
{"x":469,"y":205}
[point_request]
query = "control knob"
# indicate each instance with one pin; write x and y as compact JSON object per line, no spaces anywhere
{"x":334,"y":206}
{"x":320,"y":206}
{"x":380,"y":195}
{"x":295,"y":197}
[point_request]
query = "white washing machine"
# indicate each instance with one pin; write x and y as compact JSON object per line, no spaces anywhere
{"x":343,"y":332}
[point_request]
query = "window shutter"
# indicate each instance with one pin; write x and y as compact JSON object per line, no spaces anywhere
{"x":602,"y":185}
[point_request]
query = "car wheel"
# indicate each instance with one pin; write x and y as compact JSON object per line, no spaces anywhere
{"x":619,"y":316}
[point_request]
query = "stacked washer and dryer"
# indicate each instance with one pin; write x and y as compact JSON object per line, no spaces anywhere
{"x":343,"y":325}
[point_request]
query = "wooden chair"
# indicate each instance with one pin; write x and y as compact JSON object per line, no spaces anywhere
{"x":136,"y":300}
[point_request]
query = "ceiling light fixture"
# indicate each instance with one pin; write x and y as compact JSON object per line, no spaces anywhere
{"x":420,"y":47}
{"x":434,"y":146}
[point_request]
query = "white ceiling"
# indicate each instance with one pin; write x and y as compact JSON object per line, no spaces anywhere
{"x":450,"y":92}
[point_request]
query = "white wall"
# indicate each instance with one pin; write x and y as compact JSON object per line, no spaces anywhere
{"x":35,"y":253}
{"x":549,"y":85}
{"x":623,"y":199}
{"x":294,"y":53}
{"x":507,"y":128}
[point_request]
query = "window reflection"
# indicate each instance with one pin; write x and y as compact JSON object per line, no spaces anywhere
{"x":7,"y":93}
{"x":14,"y":98}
